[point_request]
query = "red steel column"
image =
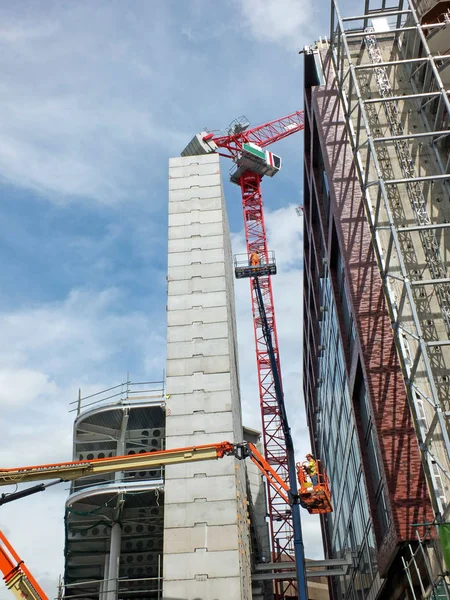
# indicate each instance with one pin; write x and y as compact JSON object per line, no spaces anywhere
{"x":280,"y":520}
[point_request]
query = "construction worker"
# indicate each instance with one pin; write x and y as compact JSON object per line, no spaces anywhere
{"x":254,"y":259}
{"x":310,"y":468}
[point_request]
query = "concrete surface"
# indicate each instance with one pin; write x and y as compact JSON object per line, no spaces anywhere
{"x":206,"y":528}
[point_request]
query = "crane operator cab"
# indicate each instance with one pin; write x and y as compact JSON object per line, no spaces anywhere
{"x":255,"y":263}
{"x":314,"y":491}
{"x":256,"y":159}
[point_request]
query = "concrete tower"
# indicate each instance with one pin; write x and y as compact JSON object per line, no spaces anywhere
{"x":206,"y":529}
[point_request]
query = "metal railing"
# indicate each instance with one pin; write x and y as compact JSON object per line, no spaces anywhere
{"x":129,"y":391}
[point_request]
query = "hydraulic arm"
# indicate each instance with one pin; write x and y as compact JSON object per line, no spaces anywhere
{"x":299,"y":551}
{"x":17,"y":577}
{"x":67,"y":471}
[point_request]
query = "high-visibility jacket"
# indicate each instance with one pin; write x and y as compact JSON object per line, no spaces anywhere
{"x":311,"y":467}
{"x":254,"y":259}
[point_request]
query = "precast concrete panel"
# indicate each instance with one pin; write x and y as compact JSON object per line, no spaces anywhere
{"x":205,"y":364}
{"x":189,"y":423}
{"x":197,"y":256}
{"x":206,"y":532}
{"x":203,"y":587}
{"x":187,"y":272}
{"x":209,"y":242}
{"x":187,"y":171}
{"x":215,"y":538}
{"x":197,"y":314}
{"x":197,"y":331}
{"x":196,"y":284}
{"x":195,"y":216}
{"x":199,"y":382}
{"x":196,"y":299}
{"x":208,"y":403}
{"x":196,"y":202}
{"x":218,"y":564}
{"x":193,"y":230}
{"x":198,"y":489}
{"x":178,"y":161}
{"x":198,"y":347}
{"x":216,"y":468}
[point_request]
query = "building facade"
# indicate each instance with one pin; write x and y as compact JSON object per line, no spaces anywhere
{"x":376,"y":293}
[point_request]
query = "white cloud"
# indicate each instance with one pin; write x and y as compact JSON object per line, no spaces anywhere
{"x":72,"y":125}
{"x":47,"y":351}
{"x":282,"y":22}
{"x":18,"y":385}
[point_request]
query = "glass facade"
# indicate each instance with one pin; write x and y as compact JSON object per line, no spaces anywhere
{"x":349,"y":527}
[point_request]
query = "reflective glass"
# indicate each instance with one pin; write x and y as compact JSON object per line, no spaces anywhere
{"x":349,"y":526}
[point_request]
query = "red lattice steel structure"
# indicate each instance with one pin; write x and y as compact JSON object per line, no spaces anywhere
{"x":280,"y":520}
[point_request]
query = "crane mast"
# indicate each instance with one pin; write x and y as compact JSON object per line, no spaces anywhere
{"x":245,"y":146}
{"x":275,"y":450}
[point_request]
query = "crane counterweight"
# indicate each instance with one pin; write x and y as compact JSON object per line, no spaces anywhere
{"x":199,"y":145}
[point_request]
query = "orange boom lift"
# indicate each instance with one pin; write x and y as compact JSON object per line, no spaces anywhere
{"x":17,"y":576}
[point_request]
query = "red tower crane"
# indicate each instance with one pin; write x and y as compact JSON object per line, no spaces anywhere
{"x":245,"y":146}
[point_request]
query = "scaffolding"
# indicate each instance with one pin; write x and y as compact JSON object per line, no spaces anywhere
{"x":391,"y":72}
{"x":422,"y":564}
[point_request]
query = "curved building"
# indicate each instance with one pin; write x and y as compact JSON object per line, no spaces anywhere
{"x":114,"y":522}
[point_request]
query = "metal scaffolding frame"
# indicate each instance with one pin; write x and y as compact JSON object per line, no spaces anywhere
{"x":420,"y":560}
{"x":388,"y":78}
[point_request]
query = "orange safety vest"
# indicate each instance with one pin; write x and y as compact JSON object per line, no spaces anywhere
{"x":254,"y":259}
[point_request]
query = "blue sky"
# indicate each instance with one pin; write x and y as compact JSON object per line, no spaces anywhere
{"x":94,"y":99}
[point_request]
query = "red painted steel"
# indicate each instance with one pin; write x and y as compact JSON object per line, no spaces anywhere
{"x":280,"y":520}
{"x":261,"y":135}
{"x":280,"y":523}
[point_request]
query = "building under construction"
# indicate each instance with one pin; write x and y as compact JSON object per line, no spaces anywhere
{"x":377,"y":291}
{"x":193,"y":529}
{"x":186,"y":526}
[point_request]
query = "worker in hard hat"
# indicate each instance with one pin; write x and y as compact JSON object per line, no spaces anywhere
{"x":310,"y":468}
{"x":254,"y":259}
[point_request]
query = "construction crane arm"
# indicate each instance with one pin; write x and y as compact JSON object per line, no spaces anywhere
{"x":261,"y":135}
{"x":67,"y":471}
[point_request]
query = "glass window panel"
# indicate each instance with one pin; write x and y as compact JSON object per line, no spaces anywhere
{"x":349,"y":526}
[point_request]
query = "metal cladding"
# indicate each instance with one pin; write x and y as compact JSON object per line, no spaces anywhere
{"x":114,"y":520}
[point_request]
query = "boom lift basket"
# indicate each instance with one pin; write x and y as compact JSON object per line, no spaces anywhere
{"x":243,"y":267}
{"x":316,"y":499}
